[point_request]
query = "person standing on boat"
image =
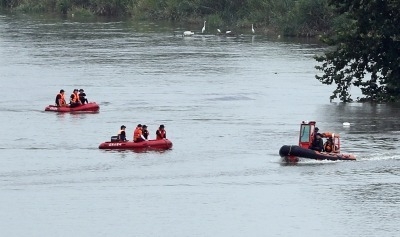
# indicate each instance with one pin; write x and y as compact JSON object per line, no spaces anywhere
{"x":318,"y":143}
{"x":138,"y":134}
{"x":74,"y":99}
{"x":161,"y":133}
{"x":316,"y":129}
{"x":60,"y":99}
{"x":145,"y":132}
{"x":122,"y":134}
{"x":82,"y":96}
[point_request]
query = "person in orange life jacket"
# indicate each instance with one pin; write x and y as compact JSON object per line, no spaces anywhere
{"x":122,"y":134}
{"x":161,"y":133}
{"x":328,"y":145}
{"x":138,"y":134}
{"x":145,"y":132}
{"x":74,"y":99}
{"x":60,"y":99}
{"x":82,"y":96}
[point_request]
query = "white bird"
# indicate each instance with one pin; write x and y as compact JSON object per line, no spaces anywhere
{"x":204,"y":27}
{"x":188,"y":33}
{"x":219,"y":31}
{"x":252,"y":29}
{"x":230,"y":33}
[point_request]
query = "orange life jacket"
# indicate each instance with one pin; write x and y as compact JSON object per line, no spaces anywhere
{"x":161,"y":134}
{"x":62,"y":99}
{"x":75,"y":98}
{"x":328,"y":146}
{"x":137,"y":133}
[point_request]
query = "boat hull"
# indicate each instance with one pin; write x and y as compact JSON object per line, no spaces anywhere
{"x":163,"y":144}
{"x":89,"y":107}
{"x":292,"y":153}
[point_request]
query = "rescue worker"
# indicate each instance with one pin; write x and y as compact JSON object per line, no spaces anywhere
{"x":60,"y":99}
{"x":318,"y":143}
{"x":74,"y":99}
{"x":122,"y":134}
{"x":145,"y":132}
{"x":138,"y":134}
{"x":161,"y":133}
{"x":328,"y":145}
{"x":316,"y":129}
{"x":82,"y":96}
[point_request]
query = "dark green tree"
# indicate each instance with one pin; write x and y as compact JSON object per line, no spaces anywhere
{"x":366,"y":50}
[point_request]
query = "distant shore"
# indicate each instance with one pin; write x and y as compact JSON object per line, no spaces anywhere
{"x":305,"y":18}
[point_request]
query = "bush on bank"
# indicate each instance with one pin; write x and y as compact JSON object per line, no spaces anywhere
{"x":287,"y":17}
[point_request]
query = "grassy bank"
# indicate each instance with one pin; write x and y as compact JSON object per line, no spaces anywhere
{"x":286,"y":17}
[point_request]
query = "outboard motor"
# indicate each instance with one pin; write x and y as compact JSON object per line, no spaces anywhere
{"x":114,"y":139}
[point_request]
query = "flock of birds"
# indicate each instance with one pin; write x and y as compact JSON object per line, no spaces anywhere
{"x":228,"y":32}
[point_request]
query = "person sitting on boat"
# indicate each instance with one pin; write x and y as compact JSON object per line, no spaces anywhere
{"x":161,"y":133}
{"x":74,"y":99}
{"x":82,"y":96}
{"x":60,"y":99}
{"x":318,"y":143}
{"x":145,"y":132}
{"x":328,"y":145}
{"x":138,"y":134}
{"x":122,"y":134}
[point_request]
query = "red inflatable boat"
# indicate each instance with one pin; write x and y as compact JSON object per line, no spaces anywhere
{"x":89,"y":107}
{"x":163,"y":144}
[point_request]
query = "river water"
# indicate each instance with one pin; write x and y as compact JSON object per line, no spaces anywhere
{"x":228,"y":105}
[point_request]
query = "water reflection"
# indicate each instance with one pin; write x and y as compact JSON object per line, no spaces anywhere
{"x":364,"y":118}
{"x":373,"y":127}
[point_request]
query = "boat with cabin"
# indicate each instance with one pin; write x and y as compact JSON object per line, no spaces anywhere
{"x":293,"y":153}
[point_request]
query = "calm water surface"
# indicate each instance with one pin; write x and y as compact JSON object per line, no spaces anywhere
{"x":228,"y":105}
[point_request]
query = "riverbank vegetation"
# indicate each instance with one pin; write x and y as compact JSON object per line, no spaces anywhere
{"x":286,"y":17}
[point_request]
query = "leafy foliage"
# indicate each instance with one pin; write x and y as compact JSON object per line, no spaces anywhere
{"x":366,"y":51}
{"x":303,"y":17}
{"x":290,"y":17}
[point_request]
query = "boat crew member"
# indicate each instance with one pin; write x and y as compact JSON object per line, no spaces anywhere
{"x":82,"y":96}
{"x":328,"y":145}
{"x":318,"y":143}
{"x":315,"y":134}
{"x":161,"y":133}
{"x":316,"y":129}
{"x":145,"y":132}
{"x":60,"y":99}
{"x":138,"y":134}
{"x":122,"y":134}
{"x":74,"y":99}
